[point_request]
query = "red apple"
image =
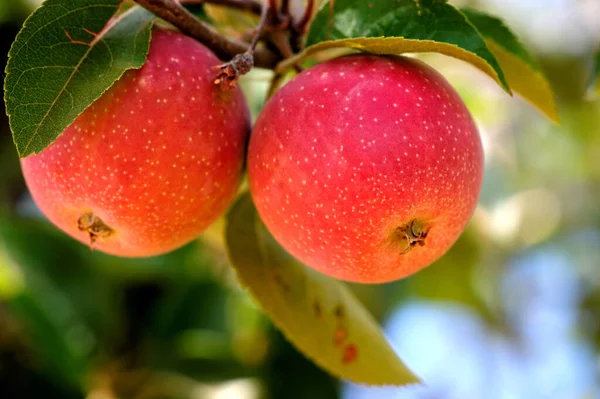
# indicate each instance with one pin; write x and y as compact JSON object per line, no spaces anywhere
{"x":152,"y":162}
{"x":366,"y":168}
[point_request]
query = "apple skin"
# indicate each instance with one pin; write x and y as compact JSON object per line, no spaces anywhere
{"x":366,"y":168}
{"x":154,"y":161}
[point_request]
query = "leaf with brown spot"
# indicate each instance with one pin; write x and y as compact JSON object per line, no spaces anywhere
{"x":400,"y":26}
{"x":521,"y":69}
{"x":319,"y":315}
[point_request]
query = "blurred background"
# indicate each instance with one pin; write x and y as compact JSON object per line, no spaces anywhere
{"x":512,"y":311}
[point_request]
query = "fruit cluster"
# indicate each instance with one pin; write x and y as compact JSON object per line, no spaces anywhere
{"x":366,"y":168}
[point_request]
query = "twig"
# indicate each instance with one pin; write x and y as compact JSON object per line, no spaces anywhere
{"x":259,"y":29}
{"x":285,"y":7}
{"x":242,"y":63}
{"x":301,"y":26}
{"x":273,"y":4}
{"x":224,"y":47}
{"x":279,"y":20}
{"x":245,"y":5}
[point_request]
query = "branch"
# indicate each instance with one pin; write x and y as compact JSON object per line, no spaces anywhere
{"x":303,"y":23}
{"x":279,"y":19}
{"x":245,"y":5}
{"x":224,"y":47}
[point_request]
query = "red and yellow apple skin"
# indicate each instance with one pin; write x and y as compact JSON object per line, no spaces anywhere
{"x":366,"y":168}
{"x":155,"y":160}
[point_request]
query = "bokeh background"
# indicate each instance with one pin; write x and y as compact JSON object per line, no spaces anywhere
{"x":512,"y":311}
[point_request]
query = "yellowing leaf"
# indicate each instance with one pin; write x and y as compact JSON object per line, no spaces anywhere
{"x":531,"y":84}
{"x":521,"y":70}
{"x":317,"y":314}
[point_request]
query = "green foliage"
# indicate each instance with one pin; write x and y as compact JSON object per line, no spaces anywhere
{"x":494,"y":29}
{"x":58,"y":333}
{"x":78,"y":307}
{"x":319,"y":315}
{"x":4,"y":11}
{"x":401,"y":26}
{"x":44,"y":94}
{"x":63,"y":60}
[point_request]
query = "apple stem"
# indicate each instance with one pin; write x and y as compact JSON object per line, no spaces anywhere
{"x":242,"y":63}
{"x":224,"y":47}
{"x":259,"y":29}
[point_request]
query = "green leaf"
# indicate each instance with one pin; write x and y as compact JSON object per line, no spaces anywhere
{"x":401,"y":26}
{"x":522,"y":71}
{"x":63,"y":60}
{"x":317,"y":314}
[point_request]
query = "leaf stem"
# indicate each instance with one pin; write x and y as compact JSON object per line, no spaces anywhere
{"x":224,"y":47}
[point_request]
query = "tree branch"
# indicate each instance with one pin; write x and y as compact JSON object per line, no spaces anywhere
{"x":225,"y":48}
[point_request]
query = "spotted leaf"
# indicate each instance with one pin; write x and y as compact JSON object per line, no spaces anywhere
{"x":63,"y":60}
{"x":318,"y":314}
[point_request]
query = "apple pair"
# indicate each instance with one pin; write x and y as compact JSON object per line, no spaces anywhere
{"x":366,"y":168}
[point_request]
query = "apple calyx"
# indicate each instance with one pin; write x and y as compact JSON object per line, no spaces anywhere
{"x":94,"y":226}
{"x":412,"y":234}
